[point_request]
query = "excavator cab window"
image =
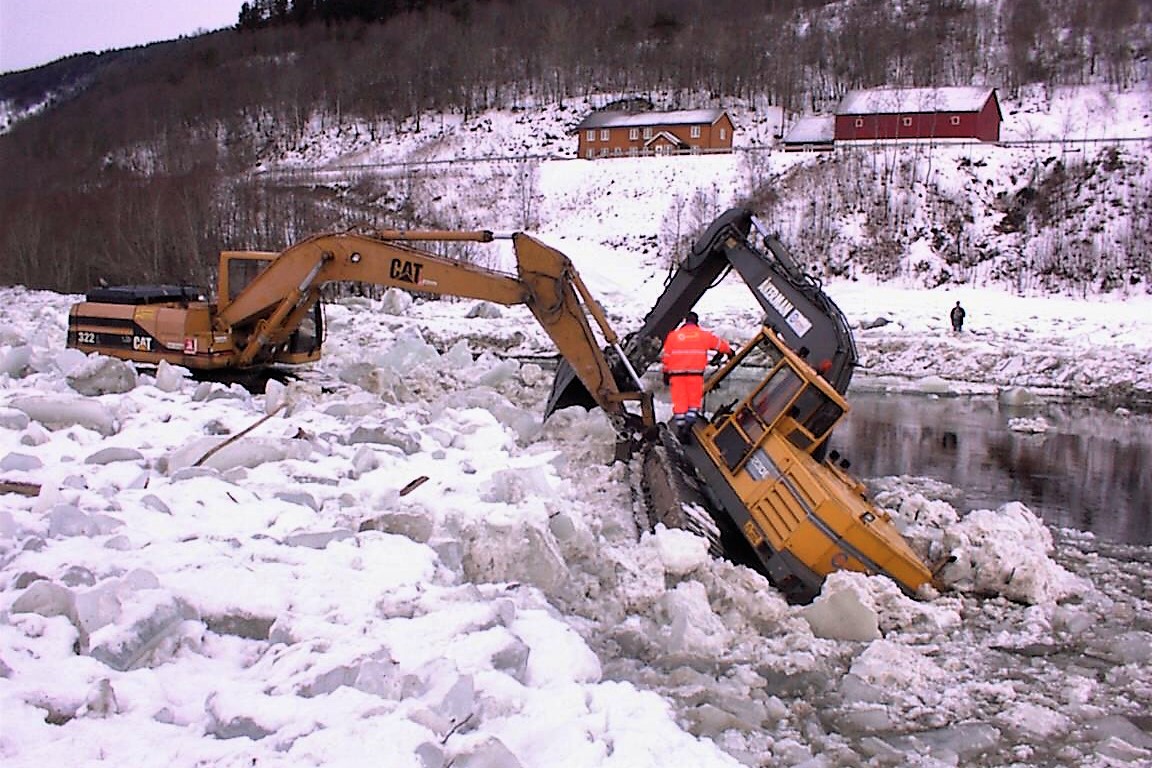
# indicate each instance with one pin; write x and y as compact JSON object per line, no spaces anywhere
{"x":737,"y":382}
{"x":743,"y":430}
{"x":772,"y":401}
{"x":815,"y":415}
{"x":241,"y":272}
{"x":785,"y":400}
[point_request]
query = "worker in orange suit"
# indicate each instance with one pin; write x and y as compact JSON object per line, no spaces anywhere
{"x":685,"y":356}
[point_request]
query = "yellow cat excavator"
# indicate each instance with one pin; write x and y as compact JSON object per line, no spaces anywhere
{"x":268,"y":308}
{"x":752,"y":479}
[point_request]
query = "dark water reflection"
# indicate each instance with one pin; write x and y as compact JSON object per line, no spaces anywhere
{"x":1089,"y":471}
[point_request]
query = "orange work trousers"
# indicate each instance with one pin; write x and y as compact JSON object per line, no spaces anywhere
{"x":686,"y":391}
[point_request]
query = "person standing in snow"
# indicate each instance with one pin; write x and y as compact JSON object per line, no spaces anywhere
{"x":957,"y":316}
{"x":684,"y":358}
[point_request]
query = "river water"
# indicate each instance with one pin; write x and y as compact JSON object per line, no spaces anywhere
{"x":1091,"y":470}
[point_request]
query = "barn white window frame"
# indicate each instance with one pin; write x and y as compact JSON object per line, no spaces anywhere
{"x":723,"y":134}
{"x":695,"y":132}
{"x":591,"y":135}
{"x":605,"y":134}
{"x":633,"y":134}
{"x":906,"y":122}
{"x":859,"y":122}
{"x":648,"y":133}
{"x":954,"y":120}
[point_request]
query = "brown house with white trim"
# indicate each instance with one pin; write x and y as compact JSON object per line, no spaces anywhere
{"x":636,"y":134}
{"x":919,"y":113}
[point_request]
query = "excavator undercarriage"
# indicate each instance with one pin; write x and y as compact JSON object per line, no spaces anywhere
{"x":664,"y":494}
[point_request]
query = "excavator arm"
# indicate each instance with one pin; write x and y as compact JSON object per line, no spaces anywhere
{"x":794,"y":305}
{"x":270,"y":308}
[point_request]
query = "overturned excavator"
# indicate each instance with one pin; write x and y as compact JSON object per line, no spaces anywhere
{"x":753,"y":478}
{"x":756,"y":477}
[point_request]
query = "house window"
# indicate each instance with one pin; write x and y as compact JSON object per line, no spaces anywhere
{"x":633,"y":134}
{"x":603,"y":151}
{"x":723,"y":134}
{"x":955,"y":120}
{"x":603,"y":134}
{"x":906,"y":122}
{"x":590,"y":154}
{"x":859,"y":122}
{"x":591,"y":134}
{"x":695,"y":131}
{"x":647,"y":133}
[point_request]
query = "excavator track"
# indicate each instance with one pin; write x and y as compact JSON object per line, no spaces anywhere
{"x":665,"y":491}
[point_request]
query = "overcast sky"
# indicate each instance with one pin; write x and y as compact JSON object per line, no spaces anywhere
{"x":35,"y":32}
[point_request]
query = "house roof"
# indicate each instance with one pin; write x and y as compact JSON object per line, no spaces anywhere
{"x":813,"y":129}
{"x":668,"y":137}
{"x":878,"y":101}
{"x":610,"y":119}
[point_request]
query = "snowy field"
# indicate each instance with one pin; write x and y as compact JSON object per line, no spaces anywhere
{"x":284,"y":602}
{"x":400,"y":564}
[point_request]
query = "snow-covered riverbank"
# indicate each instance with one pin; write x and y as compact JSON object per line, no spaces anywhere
{"x":284,"y":604}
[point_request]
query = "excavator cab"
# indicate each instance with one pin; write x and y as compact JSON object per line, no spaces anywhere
{"x":789,"y":399}
{"x":238,"y":270}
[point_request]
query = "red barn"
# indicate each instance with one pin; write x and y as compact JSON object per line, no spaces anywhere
{"x":919,"y":113}
{"x":635,"y":134}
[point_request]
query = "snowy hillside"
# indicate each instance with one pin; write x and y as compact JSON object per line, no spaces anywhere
{"x":1060,"y":205}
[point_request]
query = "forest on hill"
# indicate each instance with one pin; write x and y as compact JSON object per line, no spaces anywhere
{"x":134,"y":166}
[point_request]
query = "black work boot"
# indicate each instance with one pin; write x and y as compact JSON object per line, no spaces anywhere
{"x":683,"y":428}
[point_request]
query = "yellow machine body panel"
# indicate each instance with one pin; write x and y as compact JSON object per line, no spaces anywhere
{"x":178,"y":332}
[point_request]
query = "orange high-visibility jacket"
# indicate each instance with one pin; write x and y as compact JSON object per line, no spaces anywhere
{"x":686,"y":349}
